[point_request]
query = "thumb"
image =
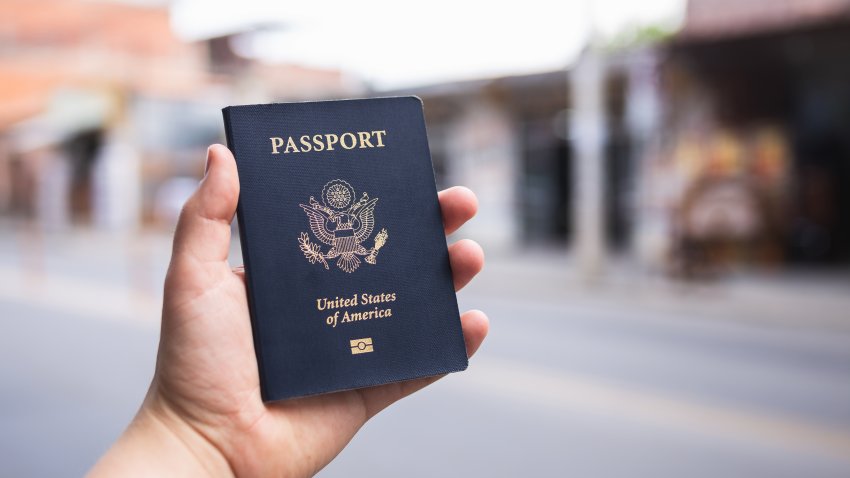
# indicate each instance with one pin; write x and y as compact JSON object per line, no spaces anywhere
{"x":203,"y":230}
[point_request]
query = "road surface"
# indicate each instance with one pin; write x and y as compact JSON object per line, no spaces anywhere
{"x":626,"y":378}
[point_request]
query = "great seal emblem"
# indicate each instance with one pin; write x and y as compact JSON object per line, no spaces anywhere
{"x":344,"y":225}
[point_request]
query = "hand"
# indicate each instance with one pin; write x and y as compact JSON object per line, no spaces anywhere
{"x":203,"y":414}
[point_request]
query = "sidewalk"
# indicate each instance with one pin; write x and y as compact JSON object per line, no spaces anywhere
{"x":119,"y":277}
{"x":791,"y":298}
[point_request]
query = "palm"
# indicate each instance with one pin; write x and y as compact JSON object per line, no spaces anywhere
{"x":207,"y":370}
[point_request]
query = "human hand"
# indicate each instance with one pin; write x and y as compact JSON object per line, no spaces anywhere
{"x":203,"y":414}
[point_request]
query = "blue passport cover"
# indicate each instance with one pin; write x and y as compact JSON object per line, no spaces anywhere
{"x":347,"y":270}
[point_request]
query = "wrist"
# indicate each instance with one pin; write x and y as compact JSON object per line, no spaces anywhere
{"x":160,"y":443}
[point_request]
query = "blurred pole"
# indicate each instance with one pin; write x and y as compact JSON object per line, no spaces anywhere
{"x":588,"y":206}
{"x":650,"y":219}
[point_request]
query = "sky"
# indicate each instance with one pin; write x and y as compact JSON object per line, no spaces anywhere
{"x":395,"y":44}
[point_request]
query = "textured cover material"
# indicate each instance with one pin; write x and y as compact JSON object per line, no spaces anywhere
{"x":348,"y":275}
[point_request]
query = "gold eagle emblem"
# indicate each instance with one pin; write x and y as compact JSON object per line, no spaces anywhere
{"x":343,"y":224}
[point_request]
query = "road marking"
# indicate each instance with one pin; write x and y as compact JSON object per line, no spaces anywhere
{"x":557,"y":391}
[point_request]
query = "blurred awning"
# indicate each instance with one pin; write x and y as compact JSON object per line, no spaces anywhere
{"x":68,"y":112}
{"x":718,"y":19}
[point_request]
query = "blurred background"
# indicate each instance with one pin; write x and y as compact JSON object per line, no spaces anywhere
{"x":665,"y":204}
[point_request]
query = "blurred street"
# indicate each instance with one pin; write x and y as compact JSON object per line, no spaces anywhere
{"x":663,"y":195}
{"x":632,"y":376}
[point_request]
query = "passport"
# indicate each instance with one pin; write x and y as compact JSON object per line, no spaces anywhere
{"x":346,"y":266}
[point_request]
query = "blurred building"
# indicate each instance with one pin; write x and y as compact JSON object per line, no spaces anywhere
{"x":726,"y":143}
{"x":513,"y":141}
{"x":506,"y":139}
{"x":105,"y":113}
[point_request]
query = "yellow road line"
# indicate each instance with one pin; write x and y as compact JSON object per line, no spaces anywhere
{"x":558,"y":391}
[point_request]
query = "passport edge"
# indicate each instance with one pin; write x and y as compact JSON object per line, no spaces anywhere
{"x":375,"y":383}
{"x":246,"y":261}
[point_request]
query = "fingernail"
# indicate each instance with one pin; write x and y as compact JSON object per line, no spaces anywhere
{"x":207,"y":163}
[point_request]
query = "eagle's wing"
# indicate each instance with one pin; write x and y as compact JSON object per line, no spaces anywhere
{"x":366,"y":215}
{"x":318,"y":224}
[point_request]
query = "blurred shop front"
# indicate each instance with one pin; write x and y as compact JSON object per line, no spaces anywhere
{"x":753,"y":162}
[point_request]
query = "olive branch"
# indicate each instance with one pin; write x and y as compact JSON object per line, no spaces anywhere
{"x":311,"y":251}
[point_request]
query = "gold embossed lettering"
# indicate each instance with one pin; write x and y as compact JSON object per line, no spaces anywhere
{"x":365,"y":139}
{"x":290,"y":146}
{"x":306,"y":147}
{"x":331,"y":139}
{"x":317,"y":142}
{"x":326,"y":141}
{"x":343,"y":142}
{"x":380,"y":136}
{"x":277,"y":142}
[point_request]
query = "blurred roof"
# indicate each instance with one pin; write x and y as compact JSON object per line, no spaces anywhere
{"x":513,"y":82}
{"x":712,"y":19}
{"x":60,"y":21}
{"x":48,"y":44}
{"x":520,"y":93}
